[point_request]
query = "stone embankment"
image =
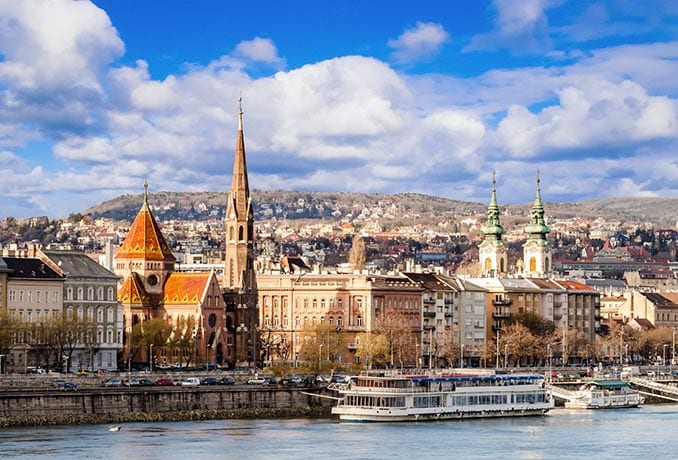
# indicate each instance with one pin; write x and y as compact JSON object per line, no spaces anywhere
{"x":47,"y":406}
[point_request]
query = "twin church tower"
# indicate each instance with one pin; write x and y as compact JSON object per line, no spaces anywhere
{"x":211,"y":320}
{"x":493,"y":253}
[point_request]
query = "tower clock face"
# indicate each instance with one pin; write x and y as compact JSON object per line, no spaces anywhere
{"x":152,"y":280}
{"x":212,"y":320}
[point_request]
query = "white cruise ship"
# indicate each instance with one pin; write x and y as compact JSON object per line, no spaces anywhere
{"x":389,"y":396}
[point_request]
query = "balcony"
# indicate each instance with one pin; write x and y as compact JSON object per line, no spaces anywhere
{"x":352,"y":346}
{"x":429,"y":314}
{"x":429,"y":301}
{"x":505,"y":301}
{"x":501,"y":314}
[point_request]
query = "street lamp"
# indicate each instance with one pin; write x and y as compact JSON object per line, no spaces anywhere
{"x":320,"y":352}
{"x":151,"y":359}
{"x":506,"y":355}
{"x":462,"y":355}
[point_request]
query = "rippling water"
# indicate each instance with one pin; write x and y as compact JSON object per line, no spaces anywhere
{"x":650,"y":431}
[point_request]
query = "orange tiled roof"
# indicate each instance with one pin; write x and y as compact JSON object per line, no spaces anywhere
{"x":145,"y":240}
{"x":132,"y":291}
{"x":575,"y":286}
{"x":185,"y":288}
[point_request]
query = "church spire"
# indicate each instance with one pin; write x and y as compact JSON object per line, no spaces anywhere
{"x":239,"y":217}
{"x":493,"y":229}
{"x":492,"y":251}
{"x":537,"y":227}
{"x":536,"y":250}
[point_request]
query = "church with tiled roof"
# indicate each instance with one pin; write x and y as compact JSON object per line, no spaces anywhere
{"x":217,"y":325}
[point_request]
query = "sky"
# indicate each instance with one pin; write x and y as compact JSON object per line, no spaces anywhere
{"x":389,"y":96}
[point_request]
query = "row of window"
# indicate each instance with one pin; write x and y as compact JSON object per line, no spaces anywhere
{"x":314,"y":303}
{"x":90,"y":294}
{"x":80,"y":311}
{"x":37,"y":296}
{"x":314,"y":321}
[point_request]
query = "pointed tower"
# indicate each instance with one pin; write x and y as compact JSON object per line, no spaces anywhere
{"x":240,"y":287}
{"x":537,"y":250}
{"x":492,"y":251}
{"x":145,"y":252}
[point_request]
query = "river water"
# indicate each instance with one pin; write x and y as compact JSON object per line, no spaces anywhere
{"x":647,"y":432}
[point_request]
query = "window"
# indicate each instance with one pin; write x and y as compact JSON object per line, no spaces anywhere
{"x":110,"y":315}
{"x":100,"y":315}
{"x":110,"y":294}
{"x":100,"y":293}
{"x":359,"y":321}
{"x":69,"y":293}
{"x":90,"y":293}
{"x":80,"y":293}
{"x":340,"y":322}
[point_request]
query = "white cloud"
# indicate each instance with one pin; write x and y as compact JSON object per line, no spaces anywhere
{"x":348,"y":123}
{"x":520,"y":25}
{"x":419,"y":43}
{"x":592,"y":114}
{"x":260,"y":50}
{"x":93,"y":149}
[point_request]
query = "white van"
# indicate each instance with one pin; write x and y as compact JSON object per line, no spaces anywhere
{"x":190,"y":382}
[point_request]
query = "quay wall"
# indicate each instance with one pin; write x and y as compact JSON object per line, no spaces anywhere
{"x":18,"y":408}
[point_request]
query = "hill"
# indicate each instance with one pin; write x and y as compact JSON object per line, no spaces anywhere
{"x":402,"y":208}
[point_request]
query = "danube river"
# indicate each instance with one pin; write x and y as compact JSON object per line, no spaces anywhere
{"x":646,"y":432}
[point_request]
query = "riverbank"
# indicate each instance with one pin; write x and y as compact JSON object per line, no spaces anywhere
{"x":97,"y":406}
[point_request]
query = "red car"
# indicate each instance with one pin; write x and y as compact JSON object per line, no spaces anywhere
{"x":164,"y":382}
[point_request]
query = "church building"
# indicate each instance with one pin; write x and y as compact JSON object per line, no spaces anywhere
{"x":212,"y":323}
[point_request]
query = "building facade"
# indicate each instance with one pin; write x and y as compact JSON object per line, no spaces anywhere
{"x":90,"y":294}
{"x":303,"y":314}
{"x":33,"y":302}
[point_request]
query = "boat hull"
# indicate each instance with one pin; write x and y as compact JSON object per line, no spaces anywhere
{"x":390,"y":416}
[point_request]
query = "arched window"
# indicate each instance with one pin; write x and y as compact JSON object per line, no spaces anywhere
{"x":488,"y":264}
{"x":231,"y":233}
{"x":90,"y":293}
{"x":80,"y":293}
{"x":241,"y":233}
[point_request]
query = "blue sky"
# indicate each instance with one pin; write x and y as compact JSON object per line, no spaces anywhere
{"x":372,"y":96}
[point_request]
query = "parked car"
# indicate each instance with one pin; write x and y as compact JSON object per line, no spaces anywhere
{"x":228,"y":381}
{"x":293,"y":381}
{"x":257,"y":381}
{"x":113,"y":383}
{"x":64,"y":385}
{"x":211,"y":381}
{"x":190,"y":382}
{"x":164,"y":382}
